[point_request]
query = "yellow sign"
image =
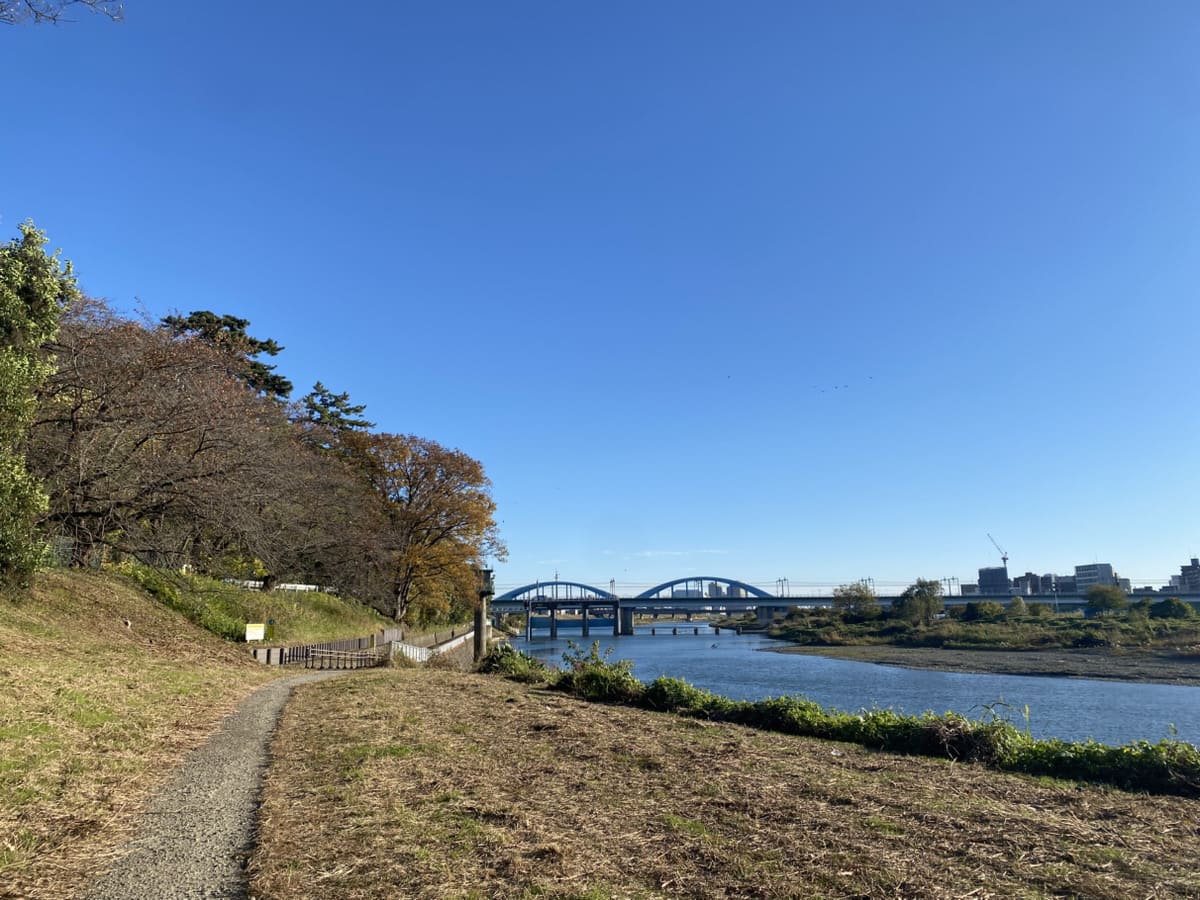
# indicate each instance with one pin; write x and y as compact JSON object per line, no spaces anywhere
{"x":256,"y":632}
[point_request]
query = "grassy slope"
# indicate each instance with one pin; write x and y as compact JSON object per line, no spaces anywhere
{"x":434,"y":784}
{"x":300,"y":618}
{"x":93,"y":715}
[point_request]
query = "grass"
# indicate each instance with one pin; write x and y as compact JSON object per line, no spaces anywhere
{"x":224,"y":609}
{"x":93,"y":716}
{"x":556,"y":806}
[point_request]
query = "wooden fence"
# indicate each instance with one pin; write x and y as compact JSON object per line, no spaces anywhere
{"x":348,"y":659}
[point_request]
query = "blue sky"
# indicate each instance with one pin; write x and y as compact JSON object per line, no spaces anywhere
{"x":816,"y":291}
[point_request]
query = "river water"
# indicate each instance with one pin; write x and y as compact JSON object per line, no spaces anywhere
{"x":738,"y":666}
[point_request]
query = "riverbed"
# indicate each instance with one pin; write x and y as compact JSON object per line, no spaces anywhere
{"x":1110,"y":711}
{"x":1095,"y":663}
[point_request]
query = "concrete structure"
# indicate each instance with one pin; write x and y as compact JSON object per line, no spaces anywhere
{"x":1189,"y":576}
{"x":994,"y":580}
{"x":1094,"y":573}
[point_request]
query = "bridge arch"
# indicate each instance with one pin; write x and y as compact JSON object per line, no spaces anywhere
{"x":545,"y":588}
{"x":701,"y":580}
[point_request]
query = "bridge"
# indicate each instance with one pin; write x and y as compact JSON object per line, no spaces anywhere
{"x":694,"y":594}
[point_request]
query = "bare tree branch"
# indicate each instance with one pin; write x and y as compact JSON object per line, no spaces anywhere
{"x":16,"y":12}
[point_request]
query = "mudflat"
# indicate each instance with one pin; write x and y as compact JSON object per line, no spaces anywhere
{"x":1156,"y":666}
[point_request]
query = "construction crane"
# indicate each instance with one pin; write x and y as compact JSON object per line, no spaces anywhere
{"x":1003,"y":555}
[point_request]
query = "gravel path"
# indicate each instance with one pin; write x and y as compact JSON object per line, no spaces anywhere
{"x":198,"y":832}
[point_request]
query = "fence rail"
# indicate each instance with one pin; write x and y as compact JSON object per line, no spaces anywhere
{"x":379,"y":646}
{"x":348,"y":659}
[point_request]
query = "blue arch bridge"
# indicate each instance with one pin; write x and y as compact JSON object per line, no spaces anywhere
{"x":589,"y":606}
{"x":597,"y":606}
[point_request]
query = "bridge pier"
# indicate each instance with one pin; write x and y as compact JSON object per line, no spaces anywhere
{"x":529,"y":623}
{"x":586,"y":631}
{"x":623,"y":621}
{"x":554,"y":623}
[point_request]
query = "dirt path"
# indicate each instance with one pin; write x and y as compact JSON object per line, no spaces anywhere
{"x":198,"y":832}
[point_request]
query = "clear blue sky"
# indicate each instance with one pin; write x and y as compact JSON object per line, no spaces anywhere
{"x":816,"y":291}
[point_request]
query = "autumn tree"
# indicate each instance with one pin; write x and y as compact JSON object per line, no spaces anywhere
{"x":150,"y":445}
{"x":34,"y":287}
{"x":15,"y":12}
{"x":920,"y":602}
{"x":431,"y":518}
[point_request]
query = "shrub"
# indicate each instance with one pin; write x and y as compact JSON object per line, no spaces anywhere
{"x":589,"y":675}
{"x":504,"y":660}
{"x":1172,"y":608}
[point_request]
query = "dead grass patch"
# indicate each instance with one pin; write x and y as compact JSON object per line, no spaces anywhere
{"x":94,"y":714}
{"x":469,"y":786}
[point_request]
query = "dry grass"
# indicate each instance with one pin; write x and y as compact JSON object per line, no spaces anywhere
{"x":93,"y":716}
{"x":420,"y":783}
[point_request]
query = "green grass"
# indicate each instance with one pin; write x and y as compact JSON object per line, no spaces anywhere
{"x":225,"y":609}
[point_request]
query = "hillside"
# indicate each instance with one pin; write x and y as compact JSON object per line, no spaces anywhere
{"x":102,"y":691}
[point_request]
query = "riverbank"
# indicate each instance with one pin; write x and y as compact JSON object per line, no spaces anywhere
{"x":430,"y":784}
{"x":1095,"y":663}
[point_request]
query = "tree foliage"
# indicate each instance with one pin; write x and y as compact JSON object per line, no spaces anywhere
{"x":159,"y":440}
{"x":920,"y":602}
{"x":325,"y":417}
{"x":15,"y":12}
{"x":1172,"y":608}
{"x":34,"y":288}
{"x":228,"y":333}
{"x":432,"y":519}
{"x":857,"y":600}
{"x":1105,"y":598}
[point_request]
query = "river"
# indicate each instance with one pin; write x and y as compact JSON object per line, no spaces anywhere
{"x":737,"y":666}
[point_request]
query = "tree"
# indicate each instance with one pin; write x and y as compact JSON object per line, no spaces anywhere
{"x":982,"y":611}
{"x":229,"y":333}
{"x":920,"y":602}
{"x":1017,"y":607}
{"x":432,"y":518}
{"x":325,"y":416}
{"x":856,"y":599}
{"x":1105,"y":598}
{"x":151,"y":445}
{"x":1172,"y":608}
{"x":34,"y":288}
{"x":14,"y":12}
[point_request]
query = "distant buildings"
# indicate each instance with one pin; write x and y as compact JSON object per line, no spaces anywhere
{"x":1189,"y":576}
{"x":994,"y":580}
{"x":1094,"y":573}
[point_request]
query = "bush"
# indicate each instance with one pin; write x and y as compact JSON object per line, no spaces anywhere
{"x":504,"y":660}
{"x":1172,"y":608}
{"x":591,"y":676}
